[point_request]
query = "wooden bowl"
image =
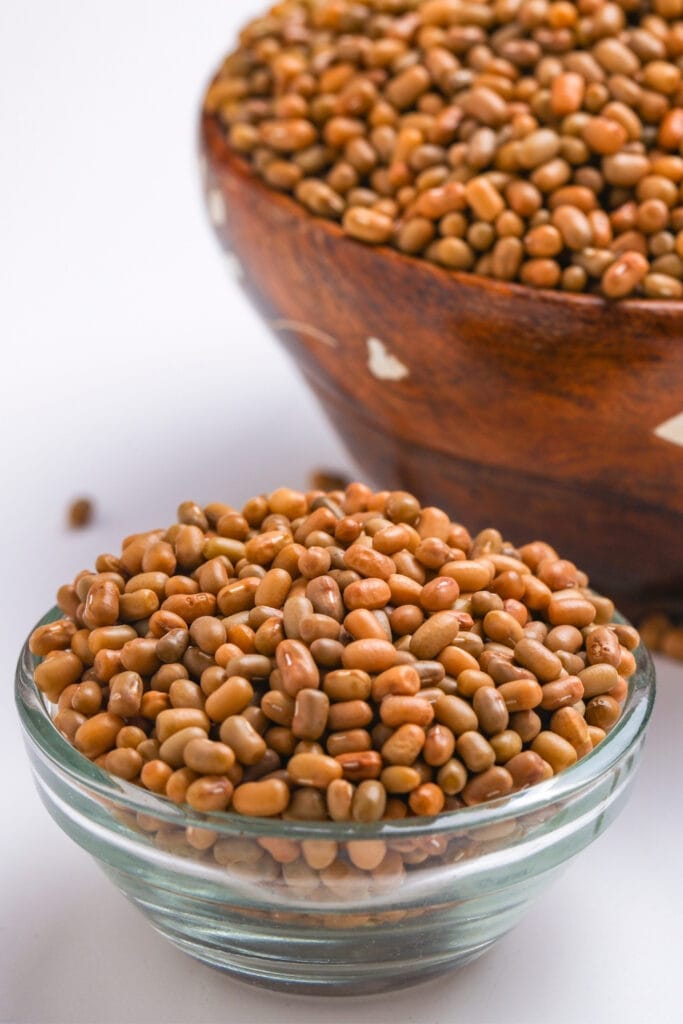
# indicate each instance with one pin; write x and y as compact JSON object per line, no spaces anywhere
{"x":546,"y":414}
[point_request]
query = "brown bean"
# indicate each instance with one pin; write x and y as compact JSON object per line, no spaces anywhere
{"x":526,"y":769}
{"x":310,"y":714}
{"x":369,"y":801}
{"x":562,"y":693}
{"x":602,"y":646}
{"x":491,"y":784}
{"x":491,"y":710}
{"x":435,"y":634}
{"x":298,"y":669}
{"x":533,"y":655}
{"x":603,"y":711}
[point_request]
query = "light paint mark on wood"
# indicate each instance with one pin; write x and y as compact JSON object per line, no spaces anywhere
{"x":383,"y":364}
{"x":299,"y":327}
{"x":672,"y":430}
{"x":216,"y":207}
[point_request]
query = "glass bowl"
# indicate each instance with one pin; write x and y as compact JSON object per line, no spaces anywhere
{"x":430,"y":894}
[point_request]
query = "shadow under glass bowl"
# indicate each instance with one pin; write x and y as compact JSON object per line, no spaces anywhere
{"x":546,"y":413}
{"x":448,"y":888}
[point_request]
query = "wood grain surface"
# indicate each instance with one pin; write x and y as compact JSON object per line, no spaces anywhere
{"x":532,"y":411}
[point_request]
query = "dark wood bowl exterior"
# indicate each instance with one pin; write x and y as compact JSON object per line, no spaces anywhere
{"x":532,"y":411}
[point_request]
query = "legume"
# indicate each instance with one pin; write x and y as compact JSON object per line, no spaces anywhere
{"x":397,"y":666}
{"x":529,"y":141}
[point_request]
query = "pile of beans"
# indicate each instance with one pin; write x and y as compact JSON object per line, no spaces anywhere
{"x":347,"y":655}
{"x":523,"y":140}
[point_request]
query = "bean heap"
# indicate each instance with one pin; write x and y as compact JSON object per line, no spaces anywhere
{"x":346,"y":655}
{"x":523,"y":140}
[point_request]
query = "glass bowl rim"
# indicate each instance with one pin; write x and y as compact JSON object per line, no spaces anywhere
{"x":40,"y":732}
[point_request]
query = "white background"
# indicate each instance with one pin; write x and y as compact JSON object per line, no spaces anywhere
{"x":133,"y":370}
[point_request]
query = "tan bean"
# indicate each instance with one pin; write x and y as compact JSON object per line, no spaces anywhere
{"x":298,"y":669}
{"x":208,"y":757}
{"x":68,"y":722}
{"x":598,"y":679}
{"x":367,"y":593}
{"x":469,"y":575}
{"x":456,"y":714}
{"x":339,"y":799}
{"x":398,"y":779}
{"x":368,"y":225}
{"x":562,"y":693}
{"x":503,"y":628}
{"x":533,"y":655}
{"x":521,"y":694}
{"x":427,"y":800}
{"x":172,"y":750}
{"x":125,"y":694}
{"x":369,"y":655}
{"x":98,"y":734}
{"x":264,"y":799}
{"x":124,"y":762}
{"x":476,"y":752}
{"x":172,"y":720}
{"x":348,"y":741}
{"x":316,"y":770}
{"x":568,"y":723}
{"x":349,"y":714}
{"x":472,"y":680}
{"x":397,"y":710}
{"x":359,"y":765}
{"x":404,"y":745}
{"x":239,"y":734}
{"x":401,"y":680}
{"x":59,"y":670}
{"x":554,"y":749}
{"x":54,"y":636}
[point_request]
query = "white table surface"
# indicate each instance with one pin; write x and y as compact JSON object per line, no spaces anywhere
{"x":134,"y":371}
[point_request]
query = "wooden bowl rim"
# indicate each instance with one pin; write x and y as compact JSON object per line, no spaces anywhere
{"x":214,"y":140}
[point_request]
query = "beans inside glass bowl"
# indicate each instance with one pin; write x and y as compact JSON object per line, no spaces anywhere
{"x":522,"y":140}
{"x":348,"y":655}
